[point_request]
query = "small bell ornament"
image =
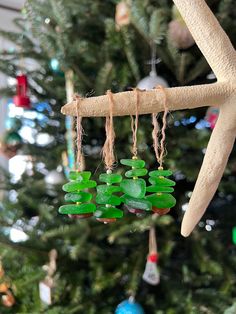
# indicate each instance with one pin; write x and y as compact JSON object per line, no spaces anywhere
{"x":21,"y":99}
{"x":151,"y":274}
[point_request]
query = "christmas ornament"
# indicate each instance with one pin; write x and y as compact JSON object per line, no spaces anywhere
{"x":212,"y":116}
{"x":21,"y":99}
{"x":151,"y":274}
{"x":161,"y":199}
{"x":107,"y":212}
{"x":134,"y":187}
{"x":178,"y":31}
{"x":10,"y":143}
{"x":152,"y":80}
{"x":54,"y":177}
{"x":122,"y":16}
{"x":7,"y":297}
{"x":79,"y":181}
{"x":45,"y":286}
{"x":129,"y":307}
{"x":220,"y":55}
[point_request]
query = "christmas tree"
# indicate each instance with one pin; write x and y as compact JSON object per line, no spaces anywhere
{"x":98,"y":266}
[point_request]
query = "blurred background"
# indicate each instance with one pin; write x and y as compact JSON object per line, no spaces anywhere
{"x":53,"y":264}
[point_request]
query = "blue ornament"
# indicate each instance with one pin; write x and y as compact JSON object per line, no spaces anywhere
{"x":129,"y":307}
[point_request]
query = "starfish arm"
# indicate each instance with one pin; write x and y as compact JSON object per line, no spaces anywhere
{"x":216,"y":157}
{"x":210,"y":38}
{"x":152,"y":101}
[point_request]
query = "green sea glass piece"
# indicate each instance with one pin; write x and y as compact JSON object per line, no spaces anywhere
{"x":78,"y":197}
{"x":110,"y":178}
{"x":136,"y":173}
{"x":108,"y":212}
{"x":75,"y":209}
{"x":74,"y":186}
{"x":162,"y":200}
{"x":136,"y":163}
{"x":142,"y":204}
{"x":157,"y":173}
{"x":134,"y":187}
{"x":108,"y":199}
{"x":161,"y":181}
{"x":108,"y":189}
{"x":79,"y":175}
{"x":159,"y":188}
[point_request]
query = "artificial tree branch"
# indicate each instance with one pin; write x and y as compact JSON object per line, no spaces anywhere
{"x":152,"y":101}
{"x":221,"y":56}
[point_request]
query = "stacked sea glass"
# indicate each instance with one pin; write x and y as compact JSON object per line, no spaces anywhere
{"x":134,"y":187}
{"x":108,"y":212}
{"x":161,"y":199}
{"x":83,"y":208}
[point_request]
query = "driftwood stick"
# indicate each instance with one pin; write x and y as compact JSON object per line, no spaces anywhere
{"x":152,"y":101}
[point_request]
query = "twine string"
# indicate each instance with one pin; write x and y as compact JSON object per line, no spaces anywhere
{"x":134,"y":123}
{"x":159,"y":148}
{"x":108,"y":148}
{"x":152,"y":241}
{"x":79,"y":131}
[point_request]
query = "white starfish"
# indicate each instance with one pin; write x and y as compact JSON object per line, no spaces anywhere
{"x":221,"y":56}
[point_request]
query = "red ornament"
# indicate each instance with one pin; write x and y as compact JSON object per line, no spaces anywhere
{"x":21,"y":99}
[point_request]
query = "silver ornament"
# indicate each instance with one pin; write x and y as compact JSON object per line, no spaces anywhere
{"x":54,"y":177}
{"x":151,"y":81}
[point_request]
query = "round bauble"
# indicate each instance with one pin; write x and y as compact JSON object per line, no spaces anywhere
{"x":151,"y":81}
{"x":129,"y":307}
{"x":180,"y":35}
{"x":54,"y":177}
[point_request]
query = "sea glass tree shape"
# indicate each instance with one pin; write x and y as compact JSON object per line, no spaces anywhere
{"x":83,"y":208}
{"x":134,"y":187}
{"x":107,"y":212}
{"x":162,"y":201}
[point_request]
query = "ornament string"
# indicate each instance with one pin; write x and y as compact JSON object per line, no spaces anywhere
{"x":134,"y":123}
{"x":152,"y":241}
{"x":79,"y":131}
{"x":108,"y":148}
{"x":159,"y":148}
